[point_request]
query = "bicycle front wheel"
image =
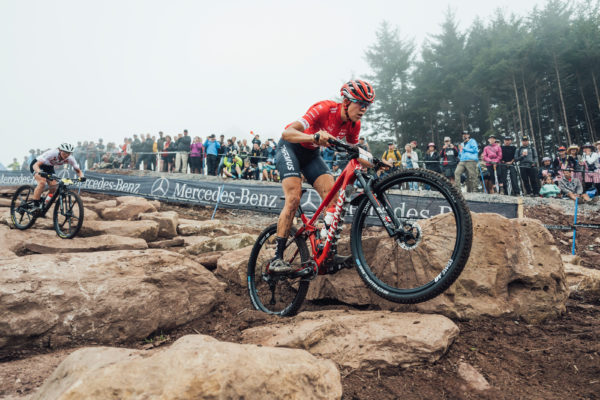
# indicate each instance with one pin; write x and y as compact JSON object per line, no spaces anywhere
{"x":68,"y":214}
{"x":429,"y":247}
{"x":22,"y":210}
{"x":279,"y":295}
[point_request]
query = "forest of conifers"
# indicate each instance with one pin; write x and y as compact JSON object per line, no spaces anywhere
{"x":533,"y":75}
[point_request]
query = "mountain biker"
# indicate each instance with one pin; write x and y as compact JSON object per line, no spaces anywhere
{"x":44,"y":164}
{"x":298,"y":152}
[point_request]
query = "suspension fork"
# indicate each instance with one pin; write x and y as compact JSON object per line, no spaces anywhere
{"x":383,"y":209}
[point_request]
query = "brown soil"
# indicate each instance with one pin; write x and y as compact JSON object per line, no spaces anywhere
{"x":587,"y":240}
{"x":559,"y":359}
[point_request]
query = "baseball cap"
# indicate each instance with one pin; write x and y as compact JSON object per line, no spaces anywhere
{"x":447,"y":139}
{"x":431,"y":144}
{"x":525,"y":138}
{"x":562,"y":148}
{"x":546,"y":159}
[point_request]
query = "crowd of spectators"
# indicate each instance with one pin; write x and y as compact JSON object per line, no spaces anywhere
{"x":572,"y":172}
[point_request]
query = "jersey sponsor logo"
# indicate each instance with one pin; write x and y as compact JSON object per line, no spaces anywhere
{"x":288,"y":160}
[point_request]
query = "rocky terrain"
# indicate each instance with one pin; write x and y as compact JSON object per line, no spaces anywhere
{"x":149,"y":301}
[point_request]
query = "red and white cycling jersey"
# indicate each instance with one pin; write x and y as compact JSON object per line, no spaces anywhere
{"x":52,"y":158}
{"x":327,"y":115}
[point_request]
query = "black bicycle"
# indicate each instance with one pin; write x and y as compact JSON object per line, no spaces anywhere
{"x":68,"y":211}
{"x":410,"y":238}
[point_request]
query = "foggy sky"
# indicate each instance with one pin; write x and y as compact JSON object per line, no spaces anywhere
{"x":82,"y":70}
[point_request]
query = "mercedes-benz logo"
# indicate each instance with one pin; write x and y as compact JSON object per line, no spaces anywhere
{"x":308,"y":205}
{"x":160,"y":187}
{"x":63,"y":173}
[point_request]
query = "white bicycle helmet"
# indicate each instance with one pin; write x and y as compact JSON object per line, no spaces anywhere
{"x":66,"y":147}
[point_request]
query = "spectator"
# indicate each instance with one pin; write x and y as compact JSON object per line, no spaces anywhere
{"x":256,"y":139}
{"x":508,"y":170}
{"x":468,"y":156}
{"x":432,"y":158}
{"x":255,"y":156}
{"x":136,"y":148}
{"x":573,"y":152}
{"x":449,"y":158}
{"x":100,"y":149}
{"x":269,"y":171}
{"x":562,"y":162}
{"x":546,"y":170}
{"x":234,"y":145}
{"x":211,"y":147}
{"x":31,"y":156}
{"x":549,"y":188}
{"x":415,"y":149}
{"x":597,"y":144}
{"x":197,"y":156}
{"x":335,"y":170}
{"x":244,"y":150}
{"x":15,"y":165}
{"x":232,"y":165}
{"x":410,"y":159}
{"x":25,"y":164}
{"x":571,"y":187}
{"x":363,"y":144}
{"x":168,"y":154}
{"x":327,"y":153}
{"x":492,"y":155}
{"x":183,"y":148}
{"x":591,"y":163}
{"x":90,"y":155}
{"x":393,"y":156}
{"x":146,"y":157}
{"x":160,"y":146}
{"x":526,"y":157}
{"x":249,"y":172}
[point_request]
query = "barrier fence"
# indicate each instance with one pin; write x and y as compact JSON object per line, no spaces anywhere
{"x":240,"y":195}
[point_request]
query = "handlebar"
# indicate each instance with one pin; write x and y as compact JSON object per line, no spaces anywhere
{"x":354,"y":150}
{"x":54,"y":177}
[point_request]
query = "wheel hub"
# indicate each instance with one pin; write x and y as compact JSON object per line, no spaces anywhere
{"x":410,"y":236}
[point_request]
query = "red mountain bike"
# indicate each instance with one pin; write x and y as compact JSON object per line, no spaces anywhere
{"x":410,"y":238}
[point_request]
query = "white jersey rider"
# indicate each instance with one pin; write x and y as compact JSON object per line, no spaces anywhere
{"x":43,"y":166}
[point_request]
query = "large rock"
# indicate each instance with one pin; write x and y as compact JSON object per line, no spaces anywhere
{"x":194,"y":367}
{"x":128,"y":210}
{"x":221,"y":243}
{"x":514,"y":270}
{"x":233,"y":265}
{"x":5,"y":201}
{"x":583,"y":282}
{"x":47,"y":242}
{"x":101,"y":205}
{"x":166,"y":244}
{"x":105,"y":297}
{"x":167,"y":222}
{"x":147,"y":230}
{"x":134,"y":199}
{"x":209,"y":227}
{"x":209,"y":260}
{"x":362,"y":340}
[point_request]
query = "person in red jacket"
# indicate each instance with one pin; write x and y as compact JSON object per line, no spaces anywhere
{"x":298,"y":153}
{"x":492,"y":155}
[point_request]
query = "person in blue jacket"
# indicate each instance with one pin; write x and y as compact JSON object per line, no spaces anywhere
{"x":468,"y":156}
{"x":212,"y":149}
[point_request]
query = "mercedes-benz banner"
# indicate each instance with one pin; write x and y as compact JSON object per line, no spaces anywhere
{"x":240,"y":194}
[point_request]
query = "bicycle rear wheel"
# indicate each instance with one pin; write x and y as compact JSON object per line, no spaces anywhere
{"x":422,"y":260}
{"x":22,"y":212}
{"x":68,"y":214}
{"x":280,"y":295}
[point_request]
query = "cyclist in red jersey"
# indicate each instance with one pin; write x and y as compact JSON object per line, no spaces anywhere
{"x":298,"y":152}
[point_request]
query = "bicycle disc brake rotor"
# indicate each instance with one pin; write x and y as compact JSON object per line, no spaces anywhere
{"x":411,"y":237}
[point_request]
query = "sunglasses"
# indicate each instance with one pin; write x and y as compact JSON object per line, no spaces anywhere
{"x":361,"y":103}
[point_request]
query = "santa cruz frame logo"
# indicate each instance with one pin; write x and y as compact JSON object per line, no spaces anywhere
{"x":160,"y":187}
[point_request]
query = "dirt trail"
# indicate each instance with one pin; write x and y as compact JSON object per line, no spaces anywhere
{"x":555,"y":360}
